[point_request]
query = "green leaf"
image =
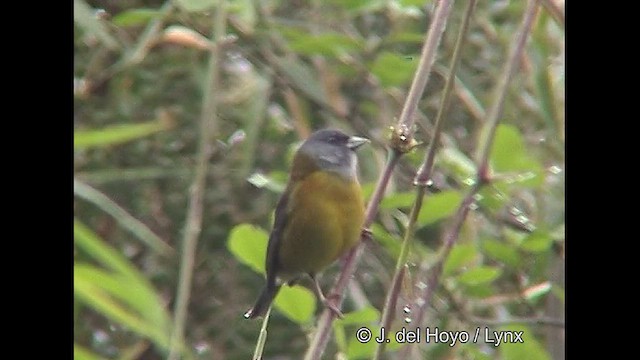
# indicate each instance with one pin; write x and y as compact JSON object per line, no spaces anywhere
{"x":393,"y":69}
{"x":501,"y":252}
{"x":479,"y":275}
{"x":357,"y":6}
{"x":117,"y":134}
{"x":249,"y":245}
{"x":89,"y":242}
{"x":509,"y":155}
{"x":360,"y":348}
{"x":480,"y":291}
{"x":367,"y":190}
{"x":393,"y":344}
{"x":135,"y":17}
{"x":123,"y":295}
{"x":456,"y":161}
{"x":460,"y":255}
{"x":279,"y":176}
{"x":244,"y":12}
{"x":508,"y":148}
{"x":406,"y":37}
{"x":80,"y":353}
{"x":528,"y":349}
{"x":196,"y":5}
{"x":537,"y":241}
{"x":366,"y":315}
{"x":296,"y":303}
{"x":558,"y":291}
{"x":328,"y":44}
{"x":418,"y":3}
{"x":356,"y":349}
{"x":473,"y":352}
{"x":398,"y":200}
{"x":491,"y":198}
{"x":391,"y":243}
{"x":340,"y":336}
{"x":87,"y":290}
{"x":128,"y":291}
{"x":439,"y":206}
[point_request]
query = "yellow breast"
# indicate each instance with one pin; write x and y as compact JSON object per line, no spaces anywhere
{"x":325,"y":217}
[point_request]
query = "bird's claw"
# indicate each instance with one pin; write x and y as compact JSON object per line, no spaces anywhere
{"x":334,"y":309}
{"x":367,"y":233}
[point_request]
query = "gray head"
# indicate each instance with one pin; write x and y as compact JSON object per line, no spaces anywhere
{"x":329,"y":150}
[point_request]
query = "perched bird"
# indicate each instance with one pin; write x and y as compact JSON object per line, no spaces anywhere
{"x":319,"y":216}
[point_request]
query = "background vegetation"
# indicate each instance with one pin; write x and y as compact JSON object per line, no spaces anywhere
{"x":154,"y":98}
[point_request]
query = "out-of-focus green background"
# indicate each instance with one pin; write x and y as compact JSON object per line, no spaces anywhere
{"x":287,"y":68}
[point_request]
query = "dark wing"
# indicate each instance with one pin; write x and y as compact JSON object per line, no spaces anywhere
{"x":279,"y":222}
{"x":271,"y":288}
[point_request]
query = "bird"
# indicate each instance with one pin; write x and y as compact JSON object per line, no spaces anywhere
{"x":318,"y":218}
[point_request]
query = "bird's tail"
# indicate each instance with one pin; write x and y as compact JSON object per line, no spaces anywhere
{"x":265,"y":299}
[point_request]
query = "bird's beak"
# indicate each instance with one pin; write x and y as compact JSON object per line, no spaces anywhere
{"x":355,"y":142}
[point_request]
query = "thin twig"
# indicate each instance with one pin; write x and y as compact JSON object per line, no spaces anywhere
{"x":426,"y":169}
{"x":422,"y":179}
{"x":427,"y":58}
{"x":262,"y":339}
{"x":393,"y":293}
{"x":208,"y":121}
{"x":556,"y":12}
{"x":401,"y":142}
{"x":494,"y":113}
{"x":148,"y":37}
{"x":146,"y":41}
{"x":466,"y":96}
{"x":493,"y":117}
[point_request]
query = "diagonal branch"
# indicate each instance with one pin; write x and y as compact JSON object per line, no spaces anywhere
{"x":401,"y":142}
{"x":486,"y":141}
{"x":208,"y":120}
{"x":422,"y":179}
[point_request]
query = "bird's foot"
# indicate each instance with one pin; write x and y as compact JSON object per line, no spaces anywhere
{"x":367,"y":234}
{"x":334,"y":309}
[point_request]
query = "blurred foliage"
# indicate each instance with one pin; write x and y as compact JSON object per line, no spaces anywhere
{"x":288,"y":68}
